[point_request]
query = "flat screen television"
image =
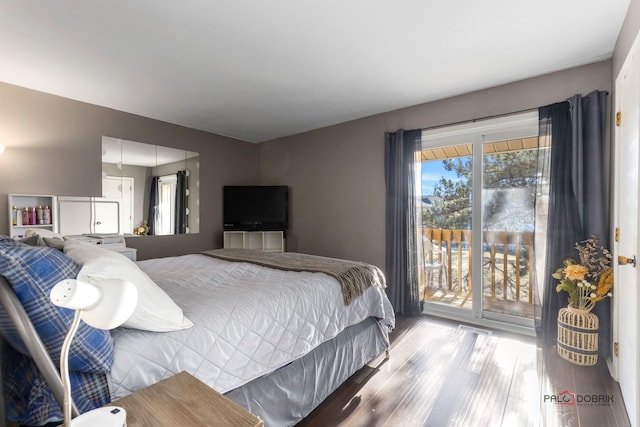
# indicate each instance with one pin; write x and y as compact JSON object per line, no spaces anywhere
{"x":256,"y":207}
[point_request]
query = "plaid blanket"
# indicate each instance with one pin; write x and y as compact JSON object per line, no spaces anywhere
{"x":29,"y":401}
{"x":32,"y":271}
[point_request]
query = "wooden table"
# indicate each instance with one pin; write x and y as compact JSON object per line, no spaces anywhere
{"x":183,"y":400}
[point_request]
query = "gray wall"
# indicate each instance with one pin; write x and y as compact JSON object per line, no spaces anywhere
{"x":54,"y":147}
{"x":336,"y":174}
{"x":626,"y":37}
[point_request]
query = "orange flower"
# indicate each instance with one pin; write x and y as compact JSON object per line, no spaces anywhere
{"x":576,"y":272}
{"x":604,"y":286}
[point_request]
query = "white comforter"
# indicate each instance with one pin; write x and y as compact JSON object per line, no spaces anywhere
{"x":249,"y":321}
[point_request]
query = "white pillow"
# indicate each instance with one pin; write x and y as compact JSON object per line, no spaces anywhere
{"x":42,"y":232}
{"x":156,"y":311}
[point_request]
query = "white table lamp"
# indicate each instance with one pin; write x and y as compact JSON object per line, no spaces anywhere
{"x":104,"y":305}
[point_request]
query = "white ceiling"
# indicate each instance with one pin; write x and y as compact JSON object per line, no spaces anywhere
{"x":257,"y":70}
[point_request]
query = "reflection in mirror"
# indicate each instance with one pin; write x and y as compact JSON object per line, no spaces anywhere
{"x":157,"y":187}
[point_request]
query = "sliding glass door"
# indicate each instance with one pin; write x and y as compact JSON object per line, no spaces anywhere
{"x":478,"y":188}
{"x":445,"y":225}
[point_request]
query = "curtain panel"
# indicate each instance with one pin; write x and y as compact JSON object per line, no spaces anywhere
{"x":563,"y":220}
{"x":401,"y":241}
{"x":578,"y":205}
{"x":180,"y":222}
{"x":154,"y":207}
{"x":592,"y":178}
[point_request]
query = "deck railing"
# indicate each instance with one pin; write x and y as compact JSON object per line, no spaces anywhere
{"x":507,"y":263}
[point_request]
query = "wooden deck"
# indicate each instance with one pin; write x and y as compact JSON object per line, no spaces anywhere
{"x":507,"y":270}
{"x":464,"y":300}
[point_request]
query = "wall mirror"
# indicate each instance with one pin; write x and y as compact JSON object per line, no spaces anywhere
{"x":156,"y":189}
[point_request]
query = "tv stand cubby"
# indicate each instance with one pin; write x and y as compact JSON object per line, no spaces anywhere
{"x":272,"y":241}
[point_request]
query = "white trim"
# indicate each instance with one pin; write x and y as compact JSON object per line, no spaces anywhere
{"x":511,"y":126}
{"x":477,"y":226}
{"x":620,"y":371}
{"x":461,"y":315}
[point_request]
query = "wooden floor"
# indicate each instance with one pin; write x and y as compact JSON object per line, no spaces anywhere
{"x":444,"y":374}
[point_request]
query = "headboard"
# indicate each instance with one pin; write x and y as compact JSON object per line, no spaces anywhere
{"x":32,"y":341}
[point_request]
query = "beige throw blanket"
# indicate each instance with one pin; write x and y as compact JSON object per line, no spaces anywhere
{"x":354,"y":277}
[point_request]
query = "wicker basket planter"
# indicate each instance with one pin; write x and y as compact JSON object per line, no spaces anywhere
{"x":578,"y":336}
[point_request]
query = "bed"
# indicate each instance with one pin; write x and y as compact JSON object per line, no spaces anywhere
{"x":275,"y":339}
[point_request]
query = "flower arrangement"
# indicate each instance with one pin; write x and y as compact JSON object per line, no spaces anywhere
{"x":142,"y":229}
{"x":589,"y":280}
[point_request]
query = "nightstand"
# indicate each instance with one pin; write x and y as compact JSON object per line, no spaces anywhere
{"x":183,"y":400}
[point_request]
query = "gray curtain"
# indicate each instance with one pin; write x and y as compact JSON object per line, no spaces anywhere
{"x":591,"y":159}
{"x":591,"y":178}
{"x":578,"y":199}
{"x":180,"y":223}
{"x":153,"y":205}
{"x":401,"y":245}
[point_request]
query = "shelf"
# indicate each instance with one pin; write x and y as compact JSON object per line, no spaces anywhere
{"x":272,"y":241}
{"x":22,"y":201}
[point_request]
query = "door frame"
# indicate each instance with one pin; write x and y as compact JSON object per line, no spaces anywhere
{"x":125,"y":202}
{"x":478,"y":132}
{"x":631,"y":66}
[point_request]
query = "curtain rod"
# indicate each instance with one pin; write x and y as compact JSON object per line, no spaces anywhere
{"x":513,"y":113}
{"x":526,"y":110}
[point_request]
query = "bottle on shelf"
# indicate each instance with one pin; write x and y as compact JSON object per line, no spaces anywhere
{"x":40,"y":215}
{"x":25,"y":216}
{"x":46,"y":214}
{"x":32,"y":216}
{"x":14,"y":219}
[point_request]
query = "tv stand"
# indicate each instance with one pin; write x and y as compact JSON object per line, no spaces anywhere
{"x":261,"y":240}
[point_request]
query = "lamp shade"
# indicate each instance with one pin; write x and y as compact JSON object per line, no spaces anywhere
{"x":106,"y":304}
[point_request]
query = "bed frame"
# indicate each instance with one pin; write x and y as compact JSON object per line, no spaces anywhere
{"x":32,"y":341}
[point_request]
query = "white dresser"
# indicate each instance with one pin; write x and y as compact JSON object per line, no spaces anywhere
{"x":111,"y":242}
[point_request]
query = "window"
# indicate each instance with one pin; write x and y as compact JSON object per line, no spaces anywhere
{"x":166,"y":196}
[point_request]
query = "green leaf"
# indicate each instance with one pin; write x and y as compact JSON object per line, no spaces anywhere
{"x":567,"y":286}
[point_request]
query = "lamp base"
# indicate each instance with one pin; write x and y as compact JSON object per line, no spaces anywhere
{"x":109,"y":416}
